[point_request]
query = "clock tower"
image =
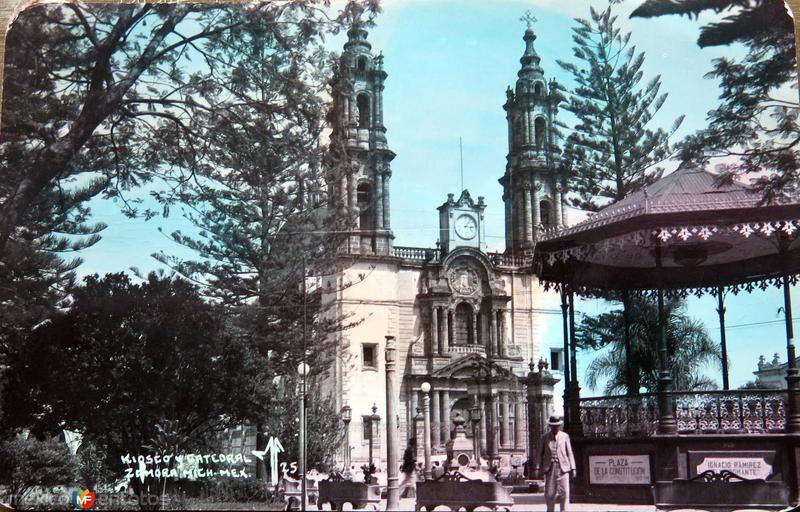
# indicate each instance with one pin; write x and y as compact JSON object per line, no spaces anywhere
{"x":461,"y":223}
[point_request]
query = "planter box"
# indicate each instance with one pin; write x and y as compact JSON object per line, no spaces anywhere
{"x":291,"y":491}
{"x":358,"y":494}
{"x":456,"y":491}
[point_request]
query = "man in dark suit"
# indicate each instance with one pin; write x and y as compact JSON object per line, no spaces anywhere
{"x":557,"y":464}
{"x":408,"y":487}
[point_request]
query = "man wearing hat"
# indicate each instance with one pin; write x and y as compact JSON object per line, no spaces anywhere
{"x":557,"y":464}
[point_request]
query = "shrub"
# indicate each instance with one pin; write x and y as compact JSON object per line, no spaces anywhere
{"x":227,"y":490}
{"x":27,"y":463}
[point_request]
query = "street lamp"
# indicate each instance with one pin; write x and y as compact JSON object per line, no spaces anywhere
{"x":426,"y":407}
{"x":302,"y":370}
{"x":372,"y":418}
{"x":418,"y":419}
{"x":347,"y":415}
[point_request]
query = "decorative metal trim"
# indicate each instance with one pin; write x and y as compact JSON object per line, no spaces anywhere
{"x":678,"y":293}
{"x":709,"y":412}
{"x":723,"y":476}
{"x":454,"y":476}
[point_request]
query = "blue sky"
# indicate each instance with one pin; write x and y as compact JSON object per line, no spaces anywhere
{"x":449,"y":63}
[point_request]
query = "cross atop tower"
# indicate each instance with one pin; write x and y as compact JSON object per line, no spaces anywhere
{"x":528,"y":18}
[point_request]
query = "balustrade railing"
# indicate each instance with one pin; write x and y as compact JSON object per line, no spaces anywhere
{"x":467,"y":349}
{"x":424,"y":255}
{"x":702,"y":412}
{"x":416,"y":254}
{"x":508,"y":260}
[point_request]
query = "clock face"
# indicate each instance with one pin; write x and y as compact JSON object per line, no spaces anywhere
{"x":466,"y":227}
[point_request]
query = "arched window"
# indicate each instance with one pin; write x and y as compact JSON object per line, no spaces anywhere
{"x":545,"y":214}
{"x":362,"y":102}
{"x":362,"y":64}
{"x":364,"y":200}
{"x":539,"y":128}
{"x":538,"y":89}
{"x":464,"y":327}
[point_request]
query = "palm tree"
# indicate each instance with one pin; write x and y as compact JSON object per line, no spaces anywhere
{"x":689,"y":348}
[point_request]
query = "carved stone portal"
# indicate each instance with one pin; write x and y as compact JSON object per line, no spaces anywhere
{"x":464,"y":279}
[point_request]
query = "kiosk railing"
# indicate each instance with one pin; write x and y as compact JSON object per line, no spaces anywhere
{"x":696,"y":412}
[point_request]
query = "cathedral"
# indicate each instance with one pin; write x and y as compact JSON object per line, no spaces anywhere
{"x":464,"y":319}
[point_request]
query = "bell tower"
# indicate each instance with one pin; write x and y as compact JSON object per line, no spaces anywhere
{"x":358,"y":180}
{"x":533,"y":190}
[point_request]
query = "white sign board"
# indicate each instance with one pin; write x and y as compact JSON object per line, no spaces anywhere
{"x":619,"y":470}
{"x":745,"y":467}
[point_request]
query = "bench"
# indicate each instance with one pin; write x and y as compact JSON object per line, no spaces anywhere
{"x":456,"y":491}
{"x":723,"y":491}
{"x":338,"y":492}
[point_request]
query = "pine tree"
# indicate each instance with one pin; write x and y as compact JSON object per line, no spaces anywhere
{"x":223,"y":104}
{"x":258,"y":200}
{"x":611,"y":150}
{"x":100,"y":99}
{"x":756,"y":120}
{"x":73,"y":127}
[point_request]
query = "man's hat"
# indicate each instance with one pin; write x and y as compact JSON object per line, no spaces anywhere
{"x":555,"y":421}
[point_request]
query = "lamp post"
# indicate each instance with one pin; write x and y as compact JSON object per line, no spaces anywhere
{"x":347,"y":415}
{"x":302,"y":370}
{"x":426,"y":407}
{"x":418,"y":420}
{"x":372,"y":418}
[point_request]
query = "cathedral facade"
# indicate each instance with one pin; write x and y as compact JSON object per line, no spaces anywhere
{"x":464,"y":319}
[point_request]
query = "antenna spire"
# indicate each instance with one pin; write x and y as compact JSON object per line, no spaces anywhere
{"x":461,"y":155}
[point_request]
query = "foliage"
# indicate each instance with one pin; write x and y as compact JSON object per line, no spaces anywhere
{"x":258,"y":202}
{"x":93,"y":467}
{"x":756,"y":122}
{"x":128,"y":361}
{"x":101,"y":92}
{"x":27,"y":463}
{"x":101,"y":99}
{"x":611,"y":151}
{"x":324,"y":432}
{"x":689,"y":347}
{"x":221,"y":102}
{"x":233,"y":490}
{"x":72,"y":127}
{"x":750,"y":384}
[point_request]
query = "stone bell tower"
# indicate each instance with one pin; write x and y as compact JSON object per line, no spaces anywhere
{"x":358,"y":180}
{"x":533,"y":190}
